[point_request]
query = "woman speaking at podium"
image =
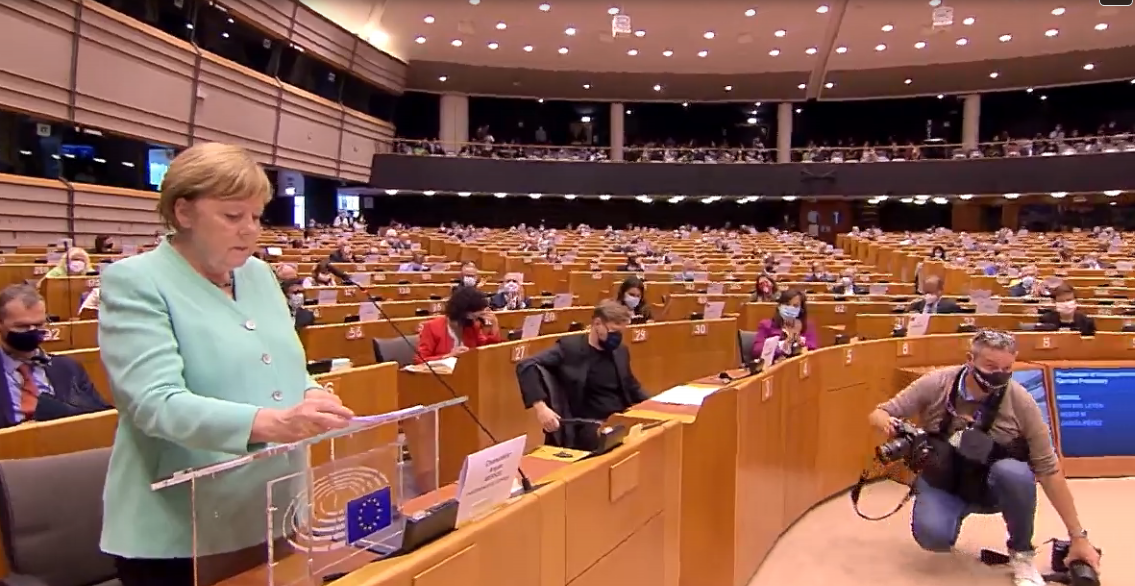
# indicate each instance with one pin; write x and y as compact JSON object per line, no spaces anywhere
{"x":205,"y":366}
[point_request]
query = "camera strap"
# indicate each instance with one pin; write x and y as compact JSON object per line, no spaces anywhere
{"x":857,"y":490}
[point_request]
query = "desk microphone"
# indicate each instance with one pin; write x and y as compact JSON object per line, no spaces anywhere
{"x":525,"y":482}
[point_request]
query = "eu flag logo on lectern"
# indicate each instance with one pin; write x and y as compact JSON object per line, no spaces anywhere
{"x":368,"y":514}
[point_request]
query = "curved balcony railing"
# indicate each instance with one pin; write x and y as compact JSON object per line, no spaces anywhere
{"x":661,"y":153}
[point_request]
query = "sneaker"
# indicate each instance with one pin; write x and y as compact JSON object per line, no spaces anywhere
{"x":1023,"y":564}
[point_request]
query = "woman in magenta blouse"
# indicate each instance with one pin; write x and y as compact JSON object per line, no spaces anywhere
{"x":790,"y":322}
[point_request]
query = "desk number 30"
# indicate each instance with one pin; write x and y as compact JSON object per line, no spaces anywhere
{"x":701,"y":329}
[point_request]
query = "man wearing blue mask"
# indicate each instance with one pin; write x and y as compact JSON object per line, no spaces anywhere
{"x":584,"y":377}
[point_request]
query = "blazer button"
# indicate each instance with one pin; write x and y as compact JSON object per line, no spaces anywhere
{"x":277,"y":396}
{"x":250,"y":325}
{"x":266,"y":358}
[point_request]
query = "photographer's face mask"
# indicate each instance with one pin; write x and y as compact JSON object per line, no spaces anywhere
{"x":990,"y":381}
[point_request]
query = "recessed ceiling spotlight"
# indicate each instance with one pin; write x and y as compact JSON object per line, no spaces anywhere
{"x":1029,"y":91}
{"x":880,"y":47}
{"x":657,"y":88}
{"x":888,"y":28}
{"x":801,"y":86}
{"x":545,"y":7}
{"x":969,"y":20}
{"x":728,"y":88}
{"x":920,"y":45}
{"x":456,"y":42}
{"x":908,"y":81}
{"x":667,"y":53}
{"x":1043,"y":98}
{"x":962,"y":42}
{"x":420,"y":40}
{"x":563,"y":50}
{"x":1101,"y":26}
{"x":810,"y":50}
{"x":612,"y":11}
{"x":1057,"y":11}
{"x":632,"y":52}
{"x":493,"y":46}
{"x":751,"y":12}
{"x":829,"y":85}
{"x":1005,"y":38}
{"x":798,"y":110}
{"x":1089,"y":67}
{"x":774,"y":52}
{"x":527,"y":48}
{"x":443,"y":79}
{"x":1051,"y":32}
{"x":569,"y":31}
{"x":501,"y":26}
{"x":586,"y":86}
{"x":640,"y":33}
{"x":822,"y":9}
{"x":703,"y":53}
{"x":994,"y":75}
{"x":709,"y":35}
{"x":940,"y":96}
{"x":841,"y":50}
{"x":780,"y":33}
{"x":428,"y":20}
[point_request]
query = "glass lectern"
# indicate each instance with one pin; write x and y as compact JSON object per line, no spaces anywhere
{"x":295,"y":514}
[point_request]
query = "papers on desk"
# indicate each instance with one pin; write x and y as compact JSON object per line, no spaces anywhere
{"x":562,"y":300}
{"x":713,"y":310}
{"x":441,"y":366}
{"x":768,"y":351}
{"x":327,"y":297}
{"x":531,"y":327}
{"x":918,"y":324}
{"x":684,"y":395}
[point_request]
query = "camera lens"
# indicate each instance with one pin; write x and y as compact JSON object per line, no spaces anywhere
{"x":1082,"y":574}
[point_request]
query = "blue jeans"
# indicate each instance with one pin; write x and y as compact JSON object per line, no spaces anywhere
{"x":938,"y":515}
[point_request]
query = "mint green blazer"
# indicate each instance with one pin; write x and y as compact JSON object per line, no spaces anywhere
{"x":189,"y":368}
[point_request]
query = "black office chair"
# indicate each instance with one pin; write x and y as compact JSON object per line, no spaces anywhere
{"x":575,"y":327}
{"x":745,"y":339}
{"x":514,"y":335}
{"x":547,"y":305}
{"x":638,"y":320}
{"x":395,"y":350}
{"x":435,"y":298}
{"x":403,"y":282}
{"x":421,"y":312}
{"x":898,"y":332}
{"x":967,"y":328}
{"x":1128,"y":328}
{"x":840,"y":339}
{"x":350,"y":319}
{"x":696,"y":316}
{"x":546,"y":293}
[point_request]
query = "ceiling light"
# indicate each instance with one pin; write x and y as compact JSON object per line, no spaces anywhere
{"x":428,"y":193}
{"x":612,"y":11}
{"x":640,"y":34}
{"x":685,"y":104}
{"x":728,"y":88}
{"x":1059,"y":194}
{"x":1043,"y":98}
{"x":569,"y":196}
{"x":501,"y":26}
{"x":822,"y":9}
{"x":632,"y":52}
{"x":563,"y":50}
{"x":994,"y":75}
{"x":880,"y":47}
{"x":940,"y":96}
{"x":1089,"y":67}
{"x":420,"y":40}
{"x":391,"y":192}
{"x":968,"y":21}
{"x":908,"y":81}
{"x":667,"y":53}
{"x":1005,"y":38}
{"x":774,"y":52}
{"x":962,"y":42}
{"x":1029,"y":91}
{"x":841,"y":50}
{"x":751,"y":121}
{"x":1051,"y":32}
{"x":474,"y":2}
{"x":709,"y":35}
{"x":569,"y":31}
{"x":920,"y":45}
{"x":829,"y":85}
{"x":810,"y":50}
{"x":442,"y":78}
{"x":1057,"y":11}
{"x":798,"y":110}
{"x":545,"y":7}
{"x":751,"y":12}
{"x":527,"y":48}
{"x":586,"y":86}
{"x":888,"y":28}
{"x":1012,"y":195}
{"x":657,"y":88}
{"x":604,"y":197}
{"x":464,"y":193}
{"x":456,"y":42}
{"x":703,"y":53}
{"x":493,"y":46}
{"x":1101,"y":26}
{"x":1112,"y":193}
{"x":540,"y":100}
{"x":801,"y":86}
{"x":780,"y":33}
{"x":500,"y":195}
{"x":428,"y":20}
{"x":966,"y":196}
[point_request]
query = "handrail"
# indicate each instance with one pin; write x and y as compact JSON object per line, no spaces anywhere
{"x":659,"y":153}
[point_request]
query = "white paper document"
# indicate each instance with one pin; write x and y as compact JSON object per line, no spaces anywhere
{"x":684,"y":395}
{"x":487,"y":478}
{"x":562,"y":300}
{"x":531,"y":327}
{"x":713,"y":310}
{"x":768,"y":351}
{"x":918,"y":324}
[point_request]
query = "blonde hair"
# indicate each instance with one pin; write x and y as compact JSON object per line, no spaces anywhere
{"x":612,"y":312}
{"x":211,"y":170}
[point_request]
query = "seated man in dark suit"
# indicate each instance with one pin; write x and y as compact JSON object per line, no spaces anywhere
{"x":932,"y":300}
{"x":1066,"y":316}
{"x":38,"y":386}
{"x":592,"y":374}
{"x":293,"y":292}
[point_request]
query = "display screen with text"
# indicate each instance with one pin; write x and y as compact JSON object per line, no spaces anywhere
{"x":1095,"y":408}
{"x":1033,"y":381}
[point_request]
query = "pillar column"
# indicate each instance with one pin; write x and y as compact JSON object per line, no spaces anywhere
{"x":971,"y":122}
{"x":618,"y":131}
{"x":784,"y":132}
{"x":454,"y":122}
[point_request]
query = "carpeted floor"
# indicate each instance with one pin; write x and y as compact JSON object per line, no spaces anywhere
{"x":831,"y":546}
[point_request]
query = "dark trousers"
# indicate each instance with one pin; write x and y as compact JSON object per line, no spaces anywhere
{"x":180,"y":572}
{"x":161,"y":572}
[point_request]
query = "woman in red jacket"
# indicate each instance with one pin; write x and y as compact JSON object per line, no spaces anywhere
{"x":467,"y":323}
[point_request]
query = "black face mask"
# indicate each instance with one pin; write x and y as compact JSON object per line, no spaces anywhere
{"x":991,"y":381}
{"x":28,"y":341}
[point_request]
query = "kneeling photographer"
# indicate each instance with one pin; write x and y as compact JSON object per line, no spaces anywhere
{"x":985,"y":447}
